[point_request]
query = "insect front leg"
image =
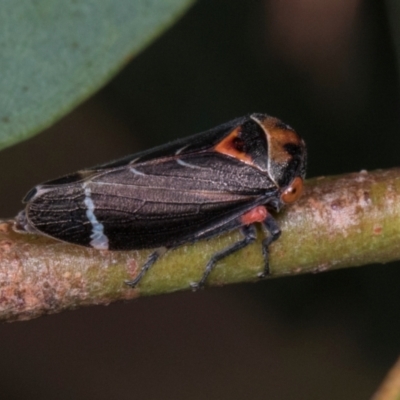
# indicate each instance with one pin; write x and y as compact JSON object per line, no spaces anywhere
{"x":153,"y":257}
{"x":272,"y":232}
{"x":250,"y":235}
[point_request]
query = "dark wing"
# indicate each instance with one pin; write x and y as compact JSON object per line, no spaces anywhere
{"x":162,"y":202}
{"x":191,"y":144}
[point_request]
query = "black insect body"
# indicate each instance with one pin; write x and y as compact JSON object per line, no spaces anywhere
{"x":195,"y":188}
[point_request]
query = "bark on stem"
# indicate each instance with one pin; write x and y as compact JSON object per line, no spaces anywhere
{"x":342,"y":221}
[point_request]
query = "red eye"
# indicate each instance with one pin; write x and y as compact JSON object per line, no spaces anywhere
{"x":293,"y":191}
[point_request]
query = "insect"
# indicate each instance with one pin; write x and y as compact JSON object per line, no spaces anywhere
{"x":227,"y":178}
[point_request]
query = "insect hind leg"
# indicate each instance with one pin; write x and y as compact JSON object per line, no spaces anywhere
{"x":272,"y":232}
{"x":250,"y":235}
{"x":153,"y":257}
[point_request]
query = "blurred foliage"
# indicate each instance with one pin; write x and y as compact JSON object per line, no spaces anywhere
{"x":54,"y":54}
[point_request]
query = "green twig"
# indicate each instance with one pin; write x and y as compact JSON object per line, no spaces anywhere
{"x":339,"y":222}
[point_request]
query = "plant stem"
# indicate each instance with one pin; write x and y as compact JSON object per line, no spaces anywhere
{"x":342,"y":221}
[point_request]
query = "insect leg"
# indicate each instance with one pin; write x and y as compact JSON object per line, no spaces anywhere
{"x":272,"y":232}
{"x":153,"y":257}
{"x":250,"y":236}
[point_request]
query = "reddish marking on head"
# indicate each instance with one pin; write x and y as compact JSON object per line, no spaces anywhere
{"x":293,"y":191}
{"x":233,"y":146}
{"x":257,"y":214}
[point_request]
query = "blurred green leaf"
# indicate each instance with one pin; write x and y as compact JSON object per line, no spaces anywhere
{"x":54,"y":54}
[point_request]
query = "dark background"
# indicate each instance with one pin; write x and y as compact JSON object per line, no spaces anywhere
{"x":326,"y":68}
